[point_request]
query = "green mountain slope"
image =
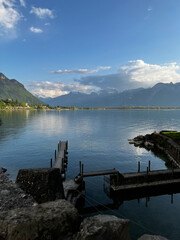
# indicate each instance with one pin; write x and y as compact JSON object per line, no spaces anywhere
{"x":15,"y":90}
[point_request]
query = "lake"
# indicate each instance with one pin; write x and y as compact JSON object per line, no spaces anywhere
{"x":98,"y":138}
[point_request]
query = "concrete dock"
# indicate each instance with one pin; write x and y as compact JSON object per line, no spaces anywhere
{"x":144,"y":181}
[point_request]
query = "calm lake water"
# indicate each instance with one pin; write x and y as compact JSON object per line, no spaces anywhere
{"x":100,"y":140}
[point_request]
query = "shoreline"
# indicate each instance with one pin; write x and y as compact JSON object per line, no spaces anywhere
{"x":91,"y":108}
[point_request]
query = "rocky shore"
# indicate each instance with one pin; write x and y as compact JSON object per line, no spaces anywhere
{"x":22,"y":218}
{"x":157,"y":142}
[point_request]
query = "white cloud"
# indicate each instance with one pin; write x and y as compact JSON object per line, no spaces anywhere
{"x":150,"y":74}
{"x":135,"y":74}
{"x":82,"y":70}
{"x":50,"y":89}
{"x":42,"y":12}
{"x":9,"y":16}
{"x":22,"y":2}
{"x":36,"y":30}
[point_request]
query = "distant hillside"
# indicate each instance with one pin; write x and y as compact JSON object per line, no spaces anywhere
{"x":15,"y":90}
{"x":163,"y":95}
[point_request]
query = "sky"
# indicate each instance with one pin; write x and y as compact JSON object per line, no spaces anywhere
{"x":58,"y":46}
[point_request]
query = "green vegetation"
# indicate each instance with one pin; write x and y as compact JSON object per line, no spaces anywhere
{"x":14,"y":104}
{"x":15,"y":90}
{"x":172,"y":134}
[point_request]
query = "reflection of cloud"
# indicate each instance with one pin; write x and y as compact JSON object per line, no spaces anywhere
{"x":82,"y":70}
{"x":49,"y":89}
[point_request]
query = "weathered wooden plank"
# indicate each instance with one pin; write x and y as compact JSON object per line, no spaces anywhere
{"x":99,"y":173}
{"x":62,"y":151}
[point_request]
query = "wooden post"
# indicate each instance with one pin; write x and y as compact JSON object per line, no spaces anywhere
{"x":172,"y":198}
{"x":55,"y":154}
{"x":149,"y":166}
{"x":51,"y":163}
{"x":58,"y":146}
{"x":139,"y":166}
{"x":66,"y":144}
{"x":146,"y":202}
{"x":117,"y":178}
{"x":147,"y":176}
{"x":62,"y":162}
{"x":80,"y":167}
{"x":82,"y":170}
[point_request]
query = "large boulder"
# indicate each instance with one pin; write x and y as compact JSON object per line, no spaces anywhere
{"x":44,"y":184}
{"x":11,"y":196}
{"x":151,"y":237}
{"x":52,"y":220}
{"x":104,"y":227}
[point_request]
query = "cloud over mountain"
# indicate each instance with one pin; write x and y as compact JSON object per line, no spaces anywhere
{"x":54,"y":89}
{"x":132,"y":75}
{"x":135,"y":73}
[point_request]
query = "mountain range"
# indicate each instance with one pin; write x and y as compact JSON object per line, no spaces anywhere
{"x":16,"y":91}
{"x":161,"y":94}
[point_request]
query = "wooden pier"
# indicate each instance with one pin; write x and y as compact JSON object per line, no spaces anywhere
{"x":83,"y":174}
{"x":61,"y":157}
{"x":121,"y":186}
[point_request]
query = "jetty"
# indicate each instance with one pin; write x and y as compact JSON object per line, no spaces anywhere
{"x":83,"y":174}
{"x":61,"y":159}
{"x":145,"y":181}
{"x":121,"y":186}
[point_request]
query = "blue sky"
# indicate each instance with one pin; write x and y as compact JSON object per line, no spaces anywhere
{"x":54,"y":47}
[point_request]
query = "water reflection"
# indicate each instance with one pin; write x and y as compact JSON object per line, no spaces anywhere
{"x":100,"y":140}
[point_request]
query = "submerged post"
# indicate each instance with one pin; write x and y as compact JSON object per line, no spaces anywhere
{"x":55,"y":154}
{"x":138,"y":166}
{"x":51,"y":162}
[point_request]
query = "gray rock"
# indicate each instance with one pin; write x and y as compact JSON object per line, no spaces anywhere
{"x":151,"y":237}
{"x":2,"y":170}
{"x":11,"y":196}
{"x":104,"y":227}
{"x":44,"y":184}
{"x":52,"y":221}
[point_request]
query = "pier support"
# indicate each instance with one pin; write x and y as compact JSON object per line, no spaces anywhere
{"x":139,"y":166}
